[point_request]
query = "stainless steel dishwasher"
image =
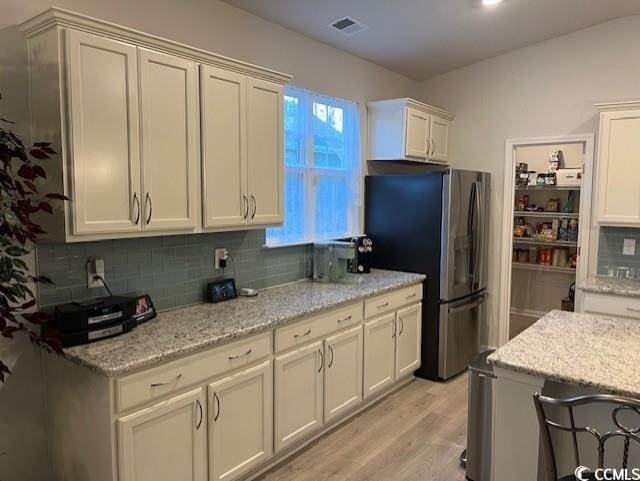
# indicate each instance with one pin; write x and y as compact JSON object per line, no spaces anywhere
{"x":479,"y":420}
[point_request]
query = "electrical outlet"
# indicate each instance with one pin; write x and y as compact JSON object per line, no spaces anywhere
{"x":95,"y":267}
{"x":220,"y":257}
{"x":629,"y":247}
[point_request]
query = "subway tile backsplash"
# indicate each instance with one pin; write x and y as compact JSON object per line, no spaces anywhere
{"x":610,"y":256}
{"x":174,"y":270}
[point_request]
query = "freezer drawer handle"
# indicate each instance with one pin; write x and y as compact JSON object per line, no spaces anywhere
{"x":467,"y":307}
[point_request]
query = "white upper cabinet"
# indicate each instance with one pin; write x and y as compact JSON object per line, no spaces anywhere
{"x":147,"y":146}
{"x":169,"y":111}
{"x":224,"y":147}
{"x":618,"y":166}
{"x":405,"y":129}
{"x":105,"y":152}
{"x":266,"y":151}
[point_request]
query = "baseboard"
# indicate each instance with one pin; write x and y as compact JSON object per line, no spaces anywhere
{"x":326,"y":429}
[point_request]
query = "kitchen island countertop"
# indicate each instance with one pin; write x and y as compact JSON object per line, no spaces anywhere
{"x":187,"y":330}
{"x":593,"y":351}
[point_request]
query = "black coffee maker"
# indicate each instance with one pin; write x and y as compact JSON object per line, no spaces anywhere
{"x":361,"y":263}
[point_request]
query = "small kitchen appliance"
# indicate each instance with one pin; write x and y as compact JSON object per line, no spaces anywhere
{"x":361,"y":263}
{"x":331,"y":260}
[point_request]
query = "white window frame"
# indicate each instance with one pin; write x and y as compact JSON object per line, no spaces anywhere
{"x":310,"y":173}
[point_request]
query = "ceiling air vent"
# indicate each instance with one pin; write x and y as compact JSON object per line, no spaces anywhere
{"x":348,"y":26}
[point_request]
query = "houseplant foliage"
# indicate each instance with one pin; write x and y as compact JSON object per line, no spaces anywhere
{"x":20,"y":200}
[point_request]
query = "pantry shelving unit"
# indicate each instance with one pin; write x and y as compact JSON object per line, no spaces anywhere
{"x":542,"y":268}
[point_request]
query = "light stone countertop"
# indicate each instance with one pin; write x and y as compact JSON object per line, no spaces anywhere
{"x":612,"y":285}
{"x":177,"y":332}
{"x":598,"y":352}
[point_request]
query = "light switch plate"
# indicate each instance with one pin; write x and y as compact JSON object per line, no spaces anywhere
{"x":629,"y":247}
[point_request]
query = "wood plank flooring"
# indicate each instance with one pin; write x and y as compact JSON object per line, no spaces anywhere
{"x":415,"y":434}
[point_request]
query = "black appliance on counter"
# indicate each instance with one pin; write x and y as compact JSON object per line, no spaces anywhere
{"x":361,"y":263}
{"x":436,"y":224}
{"x":86,"y":321}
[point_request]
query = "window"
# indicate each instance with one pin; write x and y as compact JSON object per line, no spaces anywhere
{"x":322,"y":169}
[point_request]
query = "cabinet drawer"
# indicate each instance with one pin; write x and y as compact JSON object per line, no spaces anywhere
{"x":392,"y":300}
{"x":620,"y":306}
{"x":317,"y":326}
{"x":163,"y":380}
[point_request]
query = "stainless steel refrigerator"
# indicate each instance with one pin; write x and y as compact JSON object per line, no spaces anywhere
{"x":436,"y":224}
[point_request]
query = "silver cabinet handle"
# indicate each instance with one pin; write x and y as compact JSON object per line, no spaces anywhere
{"x":199,"y":406}
{"x":345,"y":319}
{"x":255,"y":206}
{"x":331,"y":351}
{"x":167,"y":383}
{"x":216,"y":399}
{"x":137,"y":202}
{"x":296,"y":336}
{"x":383,"y":305}
{"x":393,"y":334}
{"x":411,"y":296}
{"x":321,"y":360}
{"x":238,"y":356}
{"x":433,"y":149}
{"x":150,"y":204}
{"x":632,"y":309}
{"x":401,"y":326}
{"x":246,"y":206}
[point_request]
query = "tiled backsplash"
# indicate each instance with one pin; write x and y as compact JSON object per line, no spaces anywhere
{"x":610,"y":251}
{"x":173,"y":270}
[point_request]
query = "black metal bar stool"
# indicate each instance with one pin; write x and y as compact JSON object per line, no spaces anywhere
{"x":618,"y":405}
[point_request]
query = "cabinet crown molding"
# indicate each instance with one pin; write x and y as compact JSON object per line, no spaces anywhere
{"x":621,"y":105}
{"x":59,"y":17}
{"x":409,"y":102}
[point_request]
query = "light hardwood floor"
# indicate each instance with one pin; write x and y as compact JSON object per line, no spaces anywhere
{"x":415,"y":434}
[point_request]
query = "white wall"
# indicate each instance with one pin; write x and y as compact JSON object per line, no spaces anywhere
{"x":208,"y":24}
{"x":542,"y":90}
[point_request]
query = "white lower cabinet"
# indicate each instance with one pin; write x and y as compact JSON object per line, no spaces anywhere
{"x":379,"y":353}
{"x":343,"y":372}
{"x":240,"y":422}
{"x":165,"y":442}
{"x":408,"y":339}
{"x":298,"y":393}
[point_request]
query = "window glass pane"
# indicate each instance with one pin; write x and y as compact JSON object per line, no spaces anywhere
{"x":293,"y":131}
{"x":328,"y":137}
{"x":294,"y":212}
{"x":333,"y":201}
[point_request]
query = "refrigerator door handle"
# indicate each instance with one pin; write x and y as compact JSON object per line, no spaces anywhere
{"x":478,"y":251}
{"x":468,"y":306}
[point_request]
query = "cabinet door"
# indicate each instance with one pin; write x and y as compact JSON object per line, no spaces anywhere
{"x":240,"y":422}
{"x":379,"y":353}
{"x":618,"y":166}
{"x":298,"y":393}
{"x":169,"y":110}
{"x":265,"y":136}
{"x":343,"y":373}
{"x":408,"y":340}
{"x":165,"y":442}
{"x":224,"y":147}
{"x":105,"y":151}
{"x":417,"y":134}
{"x":439,"y":134}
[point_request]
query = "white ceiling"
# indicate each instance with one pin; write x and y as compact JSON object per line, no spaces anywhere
{"x":424,"y":38}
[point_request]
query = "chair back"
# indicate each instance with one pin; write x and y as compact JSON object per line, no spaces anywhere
{"x":618,"y":404}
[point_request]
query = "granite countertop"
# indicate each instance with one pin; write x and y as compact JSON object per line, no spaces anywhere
{"x":592,"y":351}
{"x":612,"y":285}
{"x":186,"y":330}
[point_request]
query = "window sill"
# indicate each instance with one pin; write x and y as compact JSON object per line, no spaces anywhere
{"x":292,"y":244}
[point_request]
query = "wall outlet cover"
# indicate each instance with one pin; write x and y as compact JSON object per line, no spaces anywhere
{"x":219,"y":255}
{"x":629,"y":247}
{"x":95,"y":267}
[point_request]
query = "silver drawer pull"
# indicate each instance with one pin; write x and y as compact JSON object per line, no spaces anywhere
{"x":345,"y":319}
{"x":411,"y":296}
{"x":383,"y":305}
{"x":175,"y":380}
{"x":238,"y":356}
{"x":632,"y":309}
{"x":296,"y":336}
